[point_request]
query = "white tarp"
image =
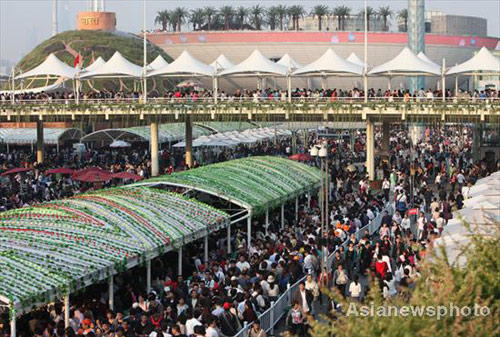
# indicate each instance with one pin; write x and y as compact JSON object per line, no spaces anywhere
{"x":353,"y":58}
{"x":184,"y":65}
{"x":95,"y":65}
{"x":256,"y":65}
{"x":483,"y":62}
{"x":330,"y":64}
{"x":424,"y":58}
{"x":116,"y":67}
{"x":222,"y":62}
{"x":405,"y":63}
{"x":53,"y":67}
{"x":288,"y":61}
{"x":158,"y":63}
{"x":59,"y":86}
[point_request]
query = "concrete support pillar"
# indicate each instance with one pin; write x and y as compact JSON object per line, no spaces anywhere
{"x":249,"y":229}
{"x":370,"y":150}
{"x":111,"y":291}
{"x":297,"y":209}
{"x":476,"y":142}
{"x":66,"y":310}
{"x":229,"y":239}
{"x":267,"y":220}
{"x":179,"y":261}
{"x":189,"y":142}
{"x":283,"y":216}
{"x":205,"y":249}
{"x":384,"y":153}
{"x":13,"y":331}
{"x":153,"y":140}
{"x":309,"y":199}
{"x":39,"y":141}
{"x":148,"y":275}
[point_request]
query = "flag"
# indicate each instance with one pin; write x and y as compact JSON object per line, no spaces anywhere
{"x":77,"y":60}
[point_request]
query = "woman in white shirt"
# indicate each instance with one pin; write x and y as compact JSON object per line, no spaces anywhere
{"x":355,"y":289}
{"x":389,"y":287}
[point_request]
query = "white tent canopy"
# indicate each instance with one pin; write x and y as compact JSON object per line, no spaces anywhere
{"x":95,"y":65}
{"x":330,"y":64}
{"x":424,"y":58}
{"x":405,"y":63}
{"x":158,"y":63}
{"x":222,"y":62}
{"x":117,"y":66}
{"x":256,"y":65}
{"x":353,"y":58}
{"x":53,"y":67}
{"x":287,"y":61}
{"x":184,"y":65}
{"x":483,"y":62}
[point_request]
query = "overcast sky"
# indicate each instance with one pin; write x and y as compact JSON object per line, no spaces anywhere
{"x":25,"y":23}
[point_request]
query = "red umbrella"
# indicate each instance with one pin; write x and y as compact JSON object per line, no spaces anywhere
{"x":127,"y":175}
{"x":94,"y":177}
{"x":60,"y":170}
{"x":300,"y":157}
{"x":89,"y":169}
{"x":16,"y":170}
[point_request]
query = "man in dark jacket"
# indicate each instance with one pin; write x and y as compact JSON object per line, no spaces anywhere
{"x":304,"y":298}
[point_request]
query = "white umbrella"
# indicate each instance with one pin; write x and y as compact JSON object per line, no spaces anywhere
{"x":119,"y":143}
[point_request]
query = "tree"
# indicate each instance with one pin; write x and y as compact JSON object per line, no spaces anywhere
{"x":281,"y":11}
{"x":403,"y":16}
{"x":272,"y":17}
{"x":179,"y":14}
{"x":296,"y":12}
{"x":227,"y":12}
{"x":442,"y":284}
{"x":341,"y":12}
{"x":385,"y":12}
{"x":320,"y":11}
{"x":242,"y":15}
{"x":257,"y":12}
{"x":197,"y":18}
{"x":209,"y":13}
{"x":370,"y":12}
{"x":162,"y":18}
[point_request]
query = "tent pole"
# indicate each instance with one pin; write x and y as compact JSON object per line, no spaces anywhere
{"x":206,"y":248}
{"x":249,"y":229}
{"x":229,"y":238}
{"x":148,"y":275}
{"x":13,"y":332}
{"x":289,"y":87}
{"x":215,"y":86}
{"x":443,"y":81}
{"x":267,"y":220}
{"x":297,"y":209}
{"x":66,"y":310}
{"x":283,"y":216}
{"x":111,"y":293}
{"x":456,"y":85}
{"x":145,"y":61}
{"x":179,"y":262}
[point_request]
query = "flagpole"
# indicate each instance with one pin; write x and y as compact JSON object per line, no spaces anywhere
{"x":144,"y":69}
{"x":365,"y":68}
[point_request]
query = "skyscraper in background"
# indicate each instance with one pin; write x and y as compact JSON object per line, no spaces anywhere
{"x":416,"y":35}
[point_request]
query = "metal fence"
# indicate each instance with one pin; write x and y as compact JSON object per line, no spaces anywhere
{"x":269,"y":318}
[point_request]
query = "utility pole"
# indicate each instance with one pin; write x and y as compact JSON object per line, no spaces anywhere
{"x":54,"y":17}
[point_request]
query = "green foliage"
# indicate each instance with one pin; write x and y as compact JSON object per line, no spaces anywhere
{"x":441,"y":284}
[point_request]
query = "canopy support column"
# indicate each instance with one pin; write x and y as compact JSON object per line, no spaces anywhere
{"x":267,"y":220}
{"x":215,"y":89}
{"x":13,"y":332}
{"x":148,"y":276}
{"x":111,"y":291}
{"x":370,"y":150}
{"x":443,"y":81}
{"x":384,"y":153}
{"x":297,"y":209}
{"x":66,"y":310}
{"x":365,"y":85}
{"x":39,"y":141}
{"x":283,"y":216}
{"x":309,"y":199}
{"x":289,"y":87}
{"x":249,"y":229}
{"x":189,"y":142}
{"x":205,"y":248}
{"x":323,"y":82}
{"x":229,"y":238}
{"x":153,"y":140}
{"x":456,"y":85}
{"x":179,"y":261}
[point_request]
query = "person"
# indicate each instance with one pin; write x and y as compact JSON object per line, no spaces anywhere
{"x":386,"y":187}
{"x":313,"y":287}
{"x":199,"y":331}
{"x":380,"y":267}
{"x":355,"y":289}
{"x":211,"y":330}
{"x":228,"y":321}
{"x":295,"y":320}
{"x":340,"y":279}
{"x":389,"y":286}
{"x":405,"y":224}
{"x":304,"y":298}
{"x":256,"y":330}
{"x":191,"y":322}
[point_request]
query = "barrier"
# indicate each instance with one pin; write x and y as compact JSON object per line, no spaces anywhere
{"x":269,"y":318}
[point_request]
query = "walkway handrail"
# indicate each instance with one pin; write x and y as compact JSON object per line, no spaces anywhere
{"x":269,"y":318}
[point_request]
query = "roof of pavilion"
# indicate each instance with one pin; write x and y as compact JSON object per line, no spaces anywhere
{"x":254,"y":183}
{"x":51,"y":248}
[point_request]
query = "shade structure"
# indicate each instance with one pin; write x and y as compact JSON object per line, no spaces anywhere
{"x":116,"y":67}
{"x":158,"y":63}
{"x":290,"y":64}
{"x":330,"y":64}
{"x":184,"y":66}
{"x":52,"y":67}
{"x":99,"y":62}
{"x":56,"y":248}
{"x":353,"y":58}
{"x":256,"y":65}
{"x":94,"y":177}
{"x":254,"y":183}
{"x":90,"y":169}
{"x":127,"y":175}
{"x":15,"y":171}
{"x":60,"y":170}
{"x":222,"y":62}
{"x":300,"y":157}
{"x":424,"y":58}
{"x":119,"y":143}
{"x":483,"y":62}
{"x":51,"y":136}
{"x":405,"y":63}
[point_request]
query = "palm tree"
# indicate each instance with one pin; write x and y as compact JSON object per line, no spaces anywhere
{"x":281,"y":11}
{"x":341,"y":12}
{"x":370,"y":12}
{"x":296,"y":12}
{"x":242,"y":14}
{"x":257,"y":12}
{"x":197,"y":16}
{"x":272,"y":16}
{"x":385,"y":12}
{"x":162,"y":18}
{"x":179,"y":14}
{"x":319,"y":11}
{"x":227,"y":12}
{"x":209,"y":13}
{"x":403,"y":16}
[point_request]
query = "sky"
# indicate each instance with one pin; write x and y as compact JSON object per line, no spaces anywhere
{"x":26,"y":23}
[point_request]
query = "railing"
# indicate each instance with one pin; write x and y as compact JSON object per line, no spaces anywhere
{"x":269,"y":318}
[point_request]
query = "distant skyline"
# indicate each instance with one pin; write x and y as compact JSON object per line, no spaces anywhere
{"x":26,"y":23}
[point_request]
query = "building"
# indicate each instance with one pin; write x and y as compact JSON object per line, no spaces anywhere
{"x":354,"y":23}
{"x":459,"y":25}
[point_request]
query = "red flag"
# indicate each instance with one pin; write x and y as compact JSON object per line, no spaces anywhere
{"x":77,"y":60}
